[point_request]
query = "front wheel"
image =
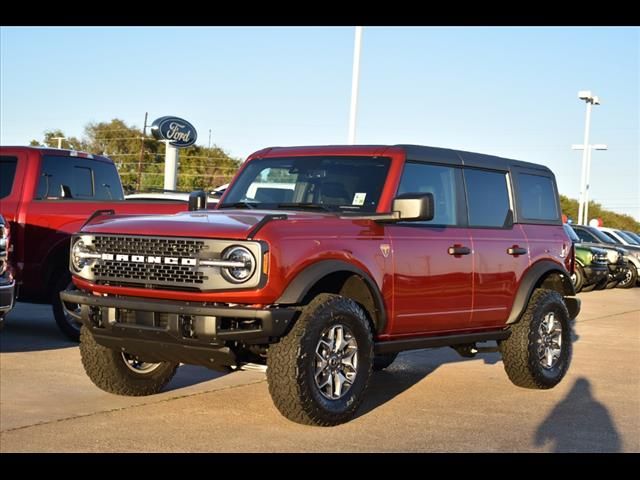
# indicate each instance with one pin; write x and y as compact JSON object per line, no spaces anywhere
{"x":319,"y":371}
{"x":66,"y":323}
{"x":537,"y":354}
{"x":122,"y":373}
{"x":630,"y":277}
{"x":577,"y":278}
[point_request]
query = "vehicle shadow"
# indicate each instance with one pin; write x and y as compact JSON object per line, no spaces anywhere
{"x":591,"y":427}
{"x":30,"y":328}
{"x":409,"y":369}
{"x":188,"y":375}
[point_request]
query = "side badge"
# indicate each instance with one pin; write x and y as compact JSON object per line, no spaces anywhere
{"x":385,"y":248}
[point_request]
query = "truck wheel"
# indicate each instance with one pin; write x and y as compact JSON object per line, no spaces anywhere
{"x":577,"y":278}
{"x":538,"y":352}
{"x":630,"y":278}
{"x":120,"y":373}
{"x":380,"y":362}
{"x":319,"y":371}
{"x":66,"y":323}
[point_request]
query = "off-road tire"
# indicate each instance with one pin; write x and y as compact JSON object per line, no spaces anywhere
{"x":107,"y":370}
{"x":519,"y":351}
{"x":382,"y":361}
{"x":61,"y":281}
{"x":291,"y":363}
{"x":602,"y":284}
{"x":630,"y":281}
{"x":579,"y":278}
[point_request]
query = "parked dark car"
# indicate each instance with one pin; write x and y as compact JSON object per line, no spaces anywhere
{"x":623,"y":271}
{"x":592,"y":265}
{"x":7,"y":283}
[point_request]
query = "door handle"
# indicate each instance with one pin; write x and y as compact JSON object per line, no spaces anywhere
{"x":457,"y":250}
{"x":516,"y":250}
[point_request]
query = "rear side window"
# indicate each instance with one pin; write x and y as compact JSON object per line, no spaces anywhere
{"x":536,"y":198}
{"x":7,"y":174}
{"x":78,"y":179}
{"x":586,"y":236}
{"x":487,"y":198}
{"x":441,"y":182}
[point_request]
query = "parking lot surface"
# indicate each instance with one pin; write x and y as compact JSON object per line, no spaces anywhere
{"x":427,"y":401}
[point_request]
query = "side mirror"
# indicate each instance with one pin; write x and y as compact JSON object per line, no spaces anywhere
{"x":197,"y":200}
{"x":414,"y":207}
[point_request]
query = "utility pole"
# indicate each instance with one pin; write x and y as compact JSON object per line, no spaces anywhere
{"x":355,"y":80}
{"x":209,"y":138}
{"x":59,"y":140}
{"x":144,"y":134}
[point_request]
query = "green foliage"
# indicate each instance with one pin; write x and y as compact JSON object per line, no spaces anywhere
{"x":199,"y":167}
{"x":609,"y":218}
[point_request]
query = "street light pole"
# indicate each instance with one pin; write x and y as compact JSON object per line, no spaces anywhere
{"x":355,"y":79}
{"x":589,"y":150}
{"x":591,"y":100}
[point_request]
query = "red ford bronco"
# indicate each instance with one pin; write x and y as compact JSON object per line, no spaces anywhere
{"x":325,"y":262}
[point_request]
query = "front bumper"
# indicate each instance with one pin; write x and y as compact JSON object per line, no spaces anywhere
{"x":168,"y":330}
{"x":595,"y":273}
{"x":7,"y":295}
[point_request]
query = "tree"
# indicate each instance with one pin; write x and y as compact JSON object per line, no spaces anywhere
{"x":609,"y":218}
{"x":199,"y":167}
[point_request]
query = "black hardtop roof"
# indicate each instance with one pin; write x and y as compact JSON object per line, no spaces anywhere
{"x":434,"y":154}
{"x":461,"y":157}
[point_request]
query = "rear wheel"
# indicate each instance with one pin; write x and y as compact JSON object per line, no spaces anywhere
{"x":537,"y":354}
{"x":120,"y":372}
{"x":67,"y":324}
{"x":319,"y":371}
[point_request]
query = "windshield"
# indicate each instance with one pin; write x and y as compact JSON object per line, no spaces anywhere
{"x":325,"y":183}
{"x":571,"y":233}
{"x":635,"y":236}
{"x":630,"y":240}
{"x":601,"y":236}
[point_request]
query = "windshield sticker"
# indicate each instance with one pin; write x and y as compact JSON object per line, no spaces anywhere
{"x":358,"y":198}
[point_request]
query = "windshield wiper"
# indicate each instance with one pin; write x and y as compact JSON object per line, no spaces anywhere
{"x":248,"y":205}
{"x":309,"y":206}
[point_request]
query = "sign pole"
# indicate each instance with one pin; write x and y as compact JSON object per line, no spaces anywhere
{"x":170,"y":166}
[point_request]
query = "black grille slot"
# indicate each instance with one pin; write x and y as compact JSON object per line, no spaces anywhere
{"x":145,"y":273}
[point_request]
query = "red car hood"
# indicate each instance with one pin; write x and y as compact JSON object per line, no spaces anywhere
{"x":233,"y":224}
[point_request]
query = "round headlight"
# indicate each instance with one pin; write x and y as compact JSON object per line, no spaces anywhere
{"x":81,"y":255}
{"x":243,"y":256}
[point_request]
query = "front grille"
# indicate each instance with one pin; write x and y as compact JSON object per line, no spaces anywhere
{"x":600,"y":258}
{"x":174,"y":247}
{"x":153,"y":274}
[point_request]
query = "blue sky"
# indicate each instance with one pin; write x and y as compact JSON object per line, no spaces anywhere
{"x":504,"y":91}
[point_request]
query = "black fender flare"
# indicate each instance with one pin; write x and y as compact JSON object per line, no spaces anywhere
{"x":531,"y":280}
{"x":304,"y":281}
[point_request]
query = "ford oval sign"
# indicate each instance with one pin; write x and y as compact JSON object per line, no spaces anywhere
{"x":176,"y":131}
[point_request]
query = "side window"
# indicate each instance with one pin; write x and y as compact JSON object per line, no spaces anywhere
{"x":586,"y":236}
{"x":438,"y":180}
{"x":610,"y":235}
{"x":536,"y":197}
{"x":487,"y":198}
{"x":7,"y":174}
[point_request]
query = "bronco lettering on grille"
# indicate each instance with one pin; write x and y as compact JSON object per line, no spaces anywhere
{"x":149,"y":259}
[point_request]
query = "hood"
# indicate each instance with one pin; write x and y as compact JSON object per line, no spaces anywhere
{"x":232,"y":224}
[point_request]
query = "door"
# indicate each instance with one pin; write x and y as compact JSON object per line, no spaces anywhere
{"x":432,"y":260}
{"x":500,"y":248}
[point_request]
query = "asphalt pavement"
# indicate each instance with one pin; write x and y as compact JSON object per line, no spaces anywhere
{"x":427,"y":401}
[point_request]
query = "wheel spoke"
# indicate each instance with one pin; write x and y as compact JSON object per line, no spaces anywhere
{"x":336,"y":361}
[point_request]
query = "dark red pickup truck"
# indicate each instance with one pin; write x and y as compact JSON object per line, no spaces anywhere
{"x":48,"y":194}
